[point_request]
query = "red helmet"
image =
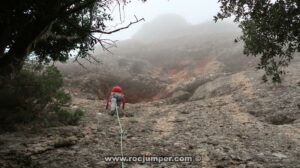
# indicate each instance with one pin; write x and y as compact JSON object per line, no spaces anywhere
{"x":117,"y":89}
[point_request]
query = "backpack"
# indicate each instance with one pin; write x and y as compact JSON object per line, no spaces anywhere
{"x":118,"y":98}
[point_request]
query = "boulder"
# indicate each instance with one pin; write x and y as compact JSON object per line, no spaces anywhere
{"x":218,"y":87}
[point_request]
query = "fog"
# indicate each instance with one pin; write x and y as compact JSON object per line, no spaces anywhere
{"x":193,"y":11}
{"x":163,"y":54}
{"x":177,"y":42}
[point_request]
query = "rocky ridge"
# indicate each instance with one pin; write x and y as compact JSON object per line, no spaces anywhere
{"x":231,"y":120}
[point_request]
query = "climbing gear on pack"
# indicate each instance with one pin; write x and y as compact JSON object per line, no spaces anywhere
{"x":115,"y":101}
{"x":113,"y":105}
{"x":118,"y":97}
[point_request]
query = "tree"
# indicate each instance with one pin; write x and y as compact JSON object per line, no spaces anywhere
{"x":270,"y":29}
{"x":35,"y":96}
{"x":50,"y":30}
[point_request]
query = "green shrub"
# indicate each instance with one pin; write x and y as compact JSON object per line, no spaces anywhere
{"x":18,"y":160}
{"x":35,"y":96}
{"x":26,"y":162}
{"x":63,"y":117}
{"x":1,"y":142}
{"x":68,"y":118}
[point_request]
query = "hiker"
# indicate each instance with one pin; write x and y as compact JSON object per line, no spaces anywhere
{"x":115,"y":98}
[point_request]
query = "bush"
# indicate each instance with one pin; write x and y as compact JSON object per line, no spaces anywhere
{"x":34,"y":96}
{"x":18,"y":160}
{"x":26,"y":162}
{"x":2,"y":142}
{"x":63,"y":117}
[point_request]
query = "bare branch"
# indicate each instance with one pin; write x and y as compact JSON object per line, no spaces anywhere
{"x":119,"y":29}
{"x":106,"y":44}
{"x":79,"y":63}
{"x":94,"y":59}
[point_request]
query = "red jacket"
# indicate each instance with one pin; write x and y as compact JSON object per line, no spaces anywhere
{"x":116,"y":89}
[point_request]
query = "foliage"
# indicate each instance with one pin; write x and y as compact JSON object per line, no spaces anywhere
{"x":22,"y":161}
{"x":26,"y":162}
{"x":52,"y":29}
{"x":63,"y":117}
{"x":1,"y":142}
{"x":34,"y":95}
{"x":270,"y":29}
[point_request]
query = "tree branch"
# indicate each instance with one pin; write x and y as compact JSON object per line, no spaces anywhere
{"x":119,"y":29}
{"x":48,"y":33}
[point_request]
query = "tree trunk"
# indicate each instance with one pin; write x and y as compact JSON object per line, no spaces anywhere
{"x":11,"y":64}
{"x":12,"y":61}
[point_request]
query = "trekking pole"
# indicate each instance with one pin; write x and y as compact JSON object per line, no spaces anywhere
{"x":121,"y":134}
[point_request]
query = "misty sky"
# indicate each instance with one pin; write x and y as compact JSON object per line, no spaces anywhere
{"x":194,"y":11}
